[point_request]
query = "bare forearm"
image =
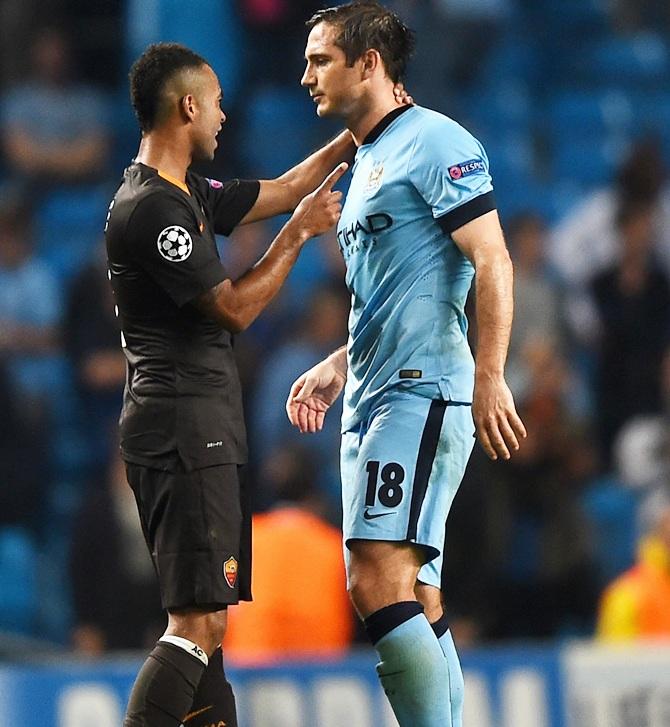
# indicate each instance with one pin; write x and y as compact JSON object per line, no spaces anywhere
{"x":237,"y":304}
{"x":495,"y":308}
{"x":339,"y":359}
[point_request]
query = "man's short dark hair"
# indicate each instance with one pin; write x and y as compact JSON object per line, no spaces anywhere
{"x":365,"y":25}
{"x":150,"y":74}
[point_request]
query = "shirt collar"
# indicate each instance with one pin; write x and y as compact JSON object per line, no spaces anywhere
{"x":379,"y":129}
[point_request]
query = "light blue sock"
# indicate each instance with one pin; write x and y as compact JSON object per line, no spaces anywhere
{"x":456,"y":685}
{"x":415,"y":674}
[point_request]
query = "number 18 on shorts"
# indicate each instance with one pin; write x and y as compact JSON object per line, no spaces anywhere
{"x":401,"y":469}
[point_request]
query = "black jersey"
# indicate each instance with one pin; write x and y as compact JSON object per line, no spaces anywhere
{"x":182,"y":400}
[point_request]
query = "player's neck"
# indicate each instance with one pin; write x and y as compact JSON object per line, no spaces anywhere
{"x":364,"y":121}
{"x":170,"y":158}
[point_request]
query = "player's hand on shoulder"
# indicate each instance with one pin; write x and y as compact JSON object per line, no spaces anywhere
{"x":499,"y":427}
{"x":312,"y":394}
{"x":402,"y":95}
{"x":319,"y":211}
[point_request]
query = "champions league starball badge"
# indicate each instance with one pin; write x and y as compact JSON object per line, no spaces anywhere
{"x":175,"y":244}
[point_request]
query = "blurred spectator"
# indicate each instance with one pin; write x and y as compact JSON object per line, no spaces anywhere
{"x":53,"y":129}
{"x":545,"y":579}
{"x":637,"y":604}
{"x":642,"y":448}
{"x":519,"y":561}
{"x":30,"y":303}
{"x":92,"y":342}
{"x":115,"y":593}
{"x":320,"y":331}
{"x":537,"y":304}
{"x":300,"y":607}
{"x":586,"y":241}
{"x":439,"y":71}
{"x":23,"y":475}
{"x":632,"y":301}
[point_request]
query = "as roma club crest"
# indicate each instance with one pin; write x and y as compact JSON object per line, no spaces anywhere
{"x":230,"y":571}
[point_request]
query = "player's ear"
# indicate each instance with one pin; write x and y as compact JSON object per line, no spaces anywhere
{"x":187,"y":106}
{"x":371,"y":61}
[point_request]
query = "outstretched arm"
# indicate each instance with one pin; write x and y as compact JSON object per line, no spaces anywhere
{"x":314,"y":392}
{"x":236,"y":304}
{"x":499,"y":427}
{"x":281,"y":195}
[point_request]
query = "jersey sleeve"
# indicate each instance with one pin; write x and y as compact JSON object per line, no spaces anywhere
{"x":164,"y":237}
{"x":450,"y":170}
{"x":229,"y":201}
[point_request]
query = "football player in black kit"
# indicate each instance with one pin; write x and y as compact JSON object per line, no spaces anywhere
{"x":182,"y":428}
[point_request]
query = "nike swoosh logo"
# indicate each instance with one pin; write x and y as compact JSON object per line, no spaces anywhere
{"x":191,"y":715}
{"x":370,"y":516}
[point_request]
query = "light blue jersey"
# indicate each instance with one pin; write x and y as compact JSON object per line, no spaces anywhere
{"x":418,"y":177}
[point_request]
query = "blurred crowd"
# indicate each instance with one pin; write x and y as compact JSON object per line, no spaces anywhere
{"x":584,"y":193}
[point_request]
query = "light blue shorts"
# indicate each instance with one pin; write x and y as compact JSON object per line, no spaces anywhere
{"x":401,"y":469}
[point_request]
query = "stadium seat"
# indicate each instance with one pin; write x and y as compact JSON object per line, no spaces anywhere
{"x":69,"y":227}
{"x":503,"y":107}
{"x":589,"y":160}
{"x":18,"y":575}
{"x":592,"y":112}
{"x":632,"y":60}
{"x":611,"y":508}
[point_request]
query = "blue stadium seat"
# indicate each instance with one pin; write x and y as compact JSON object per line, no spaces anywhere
{"x":588,"y":160}
{"x":590,"y":112}
{"x":69,"y":227}
{"x":516,"y":57}
{"x":628,"y":60}
{"x":612,"y":508}
{"x":505,"y":107}
{"x":18,"y":576}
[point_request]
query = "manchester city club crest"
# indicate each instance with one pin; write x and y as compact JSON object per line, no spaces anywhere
{"x":375,"y":178}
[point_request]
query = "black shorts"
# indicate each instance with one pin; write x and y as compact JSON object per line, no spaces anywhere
{"x":198,"y":528}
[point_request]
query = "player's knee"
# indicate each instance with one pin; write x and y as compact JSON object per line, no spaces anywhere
{"x":216,"y":630}
{"x":430,"y":598}
{"x":369,"y":591}
{"x":206,"y":629}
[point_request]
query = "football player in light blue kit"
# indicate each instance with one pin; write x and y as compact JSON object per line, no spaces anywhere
{"x":418,"y":225}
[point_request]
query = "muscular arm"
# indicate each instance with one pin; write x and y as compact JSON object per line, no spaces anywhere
{"x":482,"y":242}
{"x":281,"y":195}
{"x":235,"y":305}
{"x":498,"y":425}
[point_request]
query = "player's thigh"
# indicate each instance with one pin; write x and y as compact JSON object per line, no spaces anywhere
{"x":196,"y":526}
{"x":399,"y":476}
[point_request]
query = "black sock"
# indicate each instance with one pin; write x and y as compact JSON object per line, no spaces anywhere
{"x":382,"y":622}
{"x":163,"y":691}
{"x":214,"y":702}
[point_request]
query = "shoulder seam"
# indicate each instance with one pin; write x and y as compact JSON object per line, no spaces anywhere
{"x":151,"y":192}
